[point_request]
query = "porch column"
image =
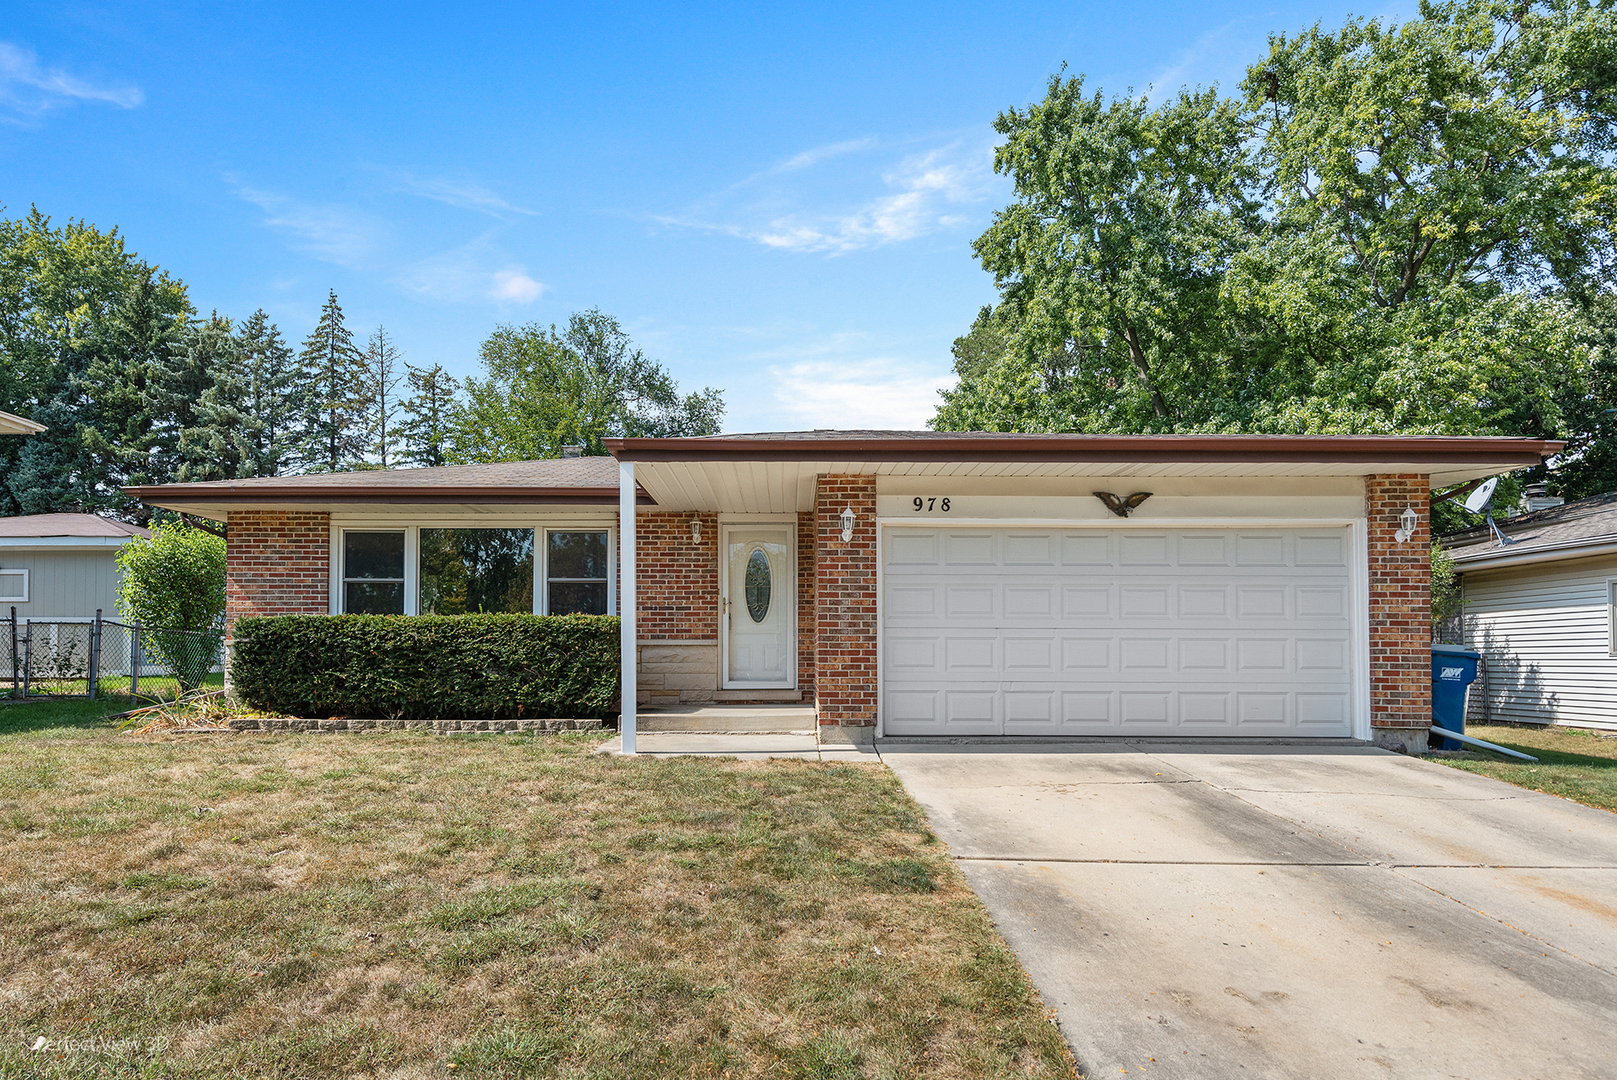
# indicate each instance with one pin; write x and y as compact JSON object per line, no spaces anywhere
{"x":626,"y":602}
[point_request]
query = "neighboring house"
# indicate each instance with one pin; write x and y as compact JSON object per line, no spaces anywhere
{"x":61,"y":566}
{"x":1541,"y":611}
{"x":918,"y":583}
{"x":16,"y":425}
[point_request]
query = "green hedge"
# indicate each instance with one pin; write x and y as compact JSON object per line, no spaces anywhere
{"x":428,"y":667}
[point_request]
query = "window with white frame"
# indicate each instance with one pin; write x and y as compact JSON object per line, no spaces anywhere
{"x":576,"y":572}
{"x":450,"y":569}
{"x":373,"y":572}
{"x":13,"y":586}
{"x":1611,"y":616}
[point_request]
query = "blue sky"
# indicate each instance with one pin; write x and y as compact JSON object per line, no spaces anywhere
{"x":775,"y":200}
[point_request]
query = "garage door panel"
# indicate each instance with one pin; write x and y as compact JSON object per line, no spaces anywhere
{"x":1086,"y":549}
{"x":1125,"y":631}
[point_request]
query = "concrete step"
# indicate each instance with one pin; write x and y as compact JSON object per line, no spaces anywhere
{"x":727,"y":718}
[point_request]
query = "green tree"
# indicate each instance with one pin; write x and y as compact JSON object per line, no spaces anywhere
{"x":173,"y":584}
{"x":429,"y":424}
{"x":545,"y":389}
{"x":333,"y":373}
{"x":378,"y":380}
{"x":82,"y":322}
{"x":245,"y":422}
{"x":1392,"y":228}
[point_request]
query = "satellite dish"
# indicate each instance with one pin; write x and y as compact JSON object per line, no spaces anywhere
{"x":1478,"y":500}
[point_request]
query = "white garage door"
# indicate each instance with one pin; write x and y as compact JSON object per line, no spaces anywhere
{"x":1117,"y":632}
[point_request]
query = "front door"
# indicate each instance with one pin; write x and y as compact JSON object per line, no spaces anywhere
{"x":759,"y":607}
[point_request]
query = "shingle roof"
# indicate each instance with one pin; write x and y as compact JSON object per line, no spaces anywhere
{"x":1573,"y":524}
{"x":71,"y":525}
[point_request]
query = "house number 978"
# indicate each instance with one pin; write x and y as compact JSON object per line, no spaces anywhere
{"x":929,"y":505}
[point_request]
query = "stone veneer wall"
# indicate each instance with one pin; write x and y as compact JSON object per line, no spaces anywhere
{"x":845,"y":690}
{"x":278,"y":562}
{"x":1400,"y":609}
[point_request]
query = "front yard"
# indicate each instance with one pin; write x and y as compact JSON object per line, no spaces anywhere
{"x":416,"y":905}
{"x":1573,"y":763}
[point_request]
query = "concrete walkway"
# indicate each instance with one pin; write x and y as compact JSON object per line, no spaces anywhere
{"x":744,"y":745}
{"x":1289,"y":912}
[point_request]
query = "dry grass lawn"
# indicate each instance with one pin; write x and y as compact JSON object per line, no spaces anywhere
{"x":1573,"y":763}
{"x":426,"y":906}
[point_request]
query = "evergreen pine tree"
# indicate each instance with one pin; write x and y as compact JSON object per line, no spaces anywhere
{"x":429,"y":411}
{"x":271,"y":398}
{"x":381,"y":378}
{"x":181,"y":441}
{"x":332,"y":372}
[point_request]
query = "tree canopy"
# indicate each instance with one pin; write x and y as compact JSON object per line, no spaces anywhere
{"x":1389,"y":228}
{"x":546,"y":388}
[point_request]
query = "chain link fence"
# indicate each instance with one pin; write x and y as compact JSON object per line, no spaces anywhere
{"x":90,"y":657}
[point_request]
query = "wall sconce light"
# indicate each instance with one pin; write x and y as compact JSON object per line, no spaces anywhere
{"x":1408,"y":520}
{"x":696,"y":530}
{"x":847,"y":524}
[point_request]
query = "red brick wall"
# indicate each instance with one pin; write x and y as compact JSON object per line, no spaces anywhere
{"x":1400,"y":603}
{"x":277,"y":562}
{"x":677,"y":594}
{"x":845,"y":601}
{"x":805,"y":604}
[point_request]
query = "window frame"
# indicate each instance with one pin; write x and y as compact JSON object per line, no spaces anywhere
{"x":1611,"y":616}
{"x":15,"y":572}
{"x":542,"y":587}
{"x":541,"y":524}
{"x":340,"y":578}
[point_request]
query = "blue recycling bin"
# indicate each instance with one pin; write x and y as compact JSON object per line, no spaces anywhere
{"x":1453,"y":671}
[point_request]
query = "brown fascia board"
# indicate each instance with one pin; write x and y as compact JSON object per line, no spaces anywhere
{"x":1343,"y":449}
{"x":190,"y":494}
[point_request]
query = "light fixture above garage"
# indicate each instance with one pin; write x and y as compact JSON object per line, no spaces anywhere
{"x":696,"y":530}
{"x":847,"y":524}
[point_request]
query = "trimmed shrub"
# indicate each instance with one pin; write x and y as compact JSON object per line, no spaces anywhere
{"x":428,"y":667}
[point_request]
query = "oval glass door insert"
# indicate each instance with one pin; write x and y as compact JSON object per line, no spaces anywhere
{"x":758,"y":586}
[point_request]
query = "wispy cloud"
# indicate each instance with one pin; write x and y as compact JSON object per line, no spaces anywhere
{"x":876,"y":392}
{"x":328,"y":231}
{"x":464,"y":195}
{"x":922,"y":193}
{"x":28,"y":89}
{"x":818,"y":154}
{"x":478,"y":270}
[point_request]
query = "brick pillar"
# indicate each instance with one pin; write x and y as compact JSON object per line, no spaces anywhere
{"x":277,"y":562}
{"x":1400,"y":610}
{"x":845,"y":607}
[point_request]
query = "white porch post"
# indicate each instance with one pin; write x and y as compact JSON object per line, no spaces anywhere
{"x":626,"y":603}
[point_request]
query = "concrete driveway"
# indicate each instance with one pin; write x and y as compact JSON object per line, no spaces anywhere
{"x":1288,"y":912}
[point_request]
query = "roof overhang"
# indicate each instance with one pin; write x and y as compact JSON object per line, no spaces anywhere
{"x":82,"y":543}
{"x":16,"y":425}
{"x":1495,"y":558}
{"x":776,"y":474}
{"x":215,"y":501}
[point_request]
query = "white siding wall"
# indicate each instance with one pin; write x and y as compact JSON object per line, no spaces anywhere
{"x":64,"y":584}
{"x":1545,"y":631}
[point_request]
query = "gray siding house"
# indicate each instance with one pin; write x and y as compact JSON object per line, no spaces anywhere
{"x":61,"y":566}
{"x":1541,"y":611}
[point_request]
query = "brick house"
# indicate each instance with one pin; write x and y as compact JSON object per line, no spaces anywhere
{"x":917,"y":583}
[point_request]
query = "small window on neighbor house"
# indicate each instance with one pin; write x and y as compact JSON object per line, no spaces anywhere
{"x":576,"y":573}
{"x":373,"y":573}
{"x":1611,"y":617}
{"x":13,"y":586}
{"x":464,"y":571}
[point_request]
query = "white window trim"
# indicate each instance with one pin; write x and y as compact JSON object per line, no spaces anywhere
{"x":412,"y":549}
{"x":1611,"y":616}
{"x":22,"y":573}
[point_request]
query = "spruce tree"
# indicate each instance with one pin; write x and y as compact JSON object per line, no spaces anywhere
{"x":381,"y":378}
{"x":429,"y":416}
{"x":246,"y":422}
{"x":332,"y":370}
{"x":181,"y":444}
